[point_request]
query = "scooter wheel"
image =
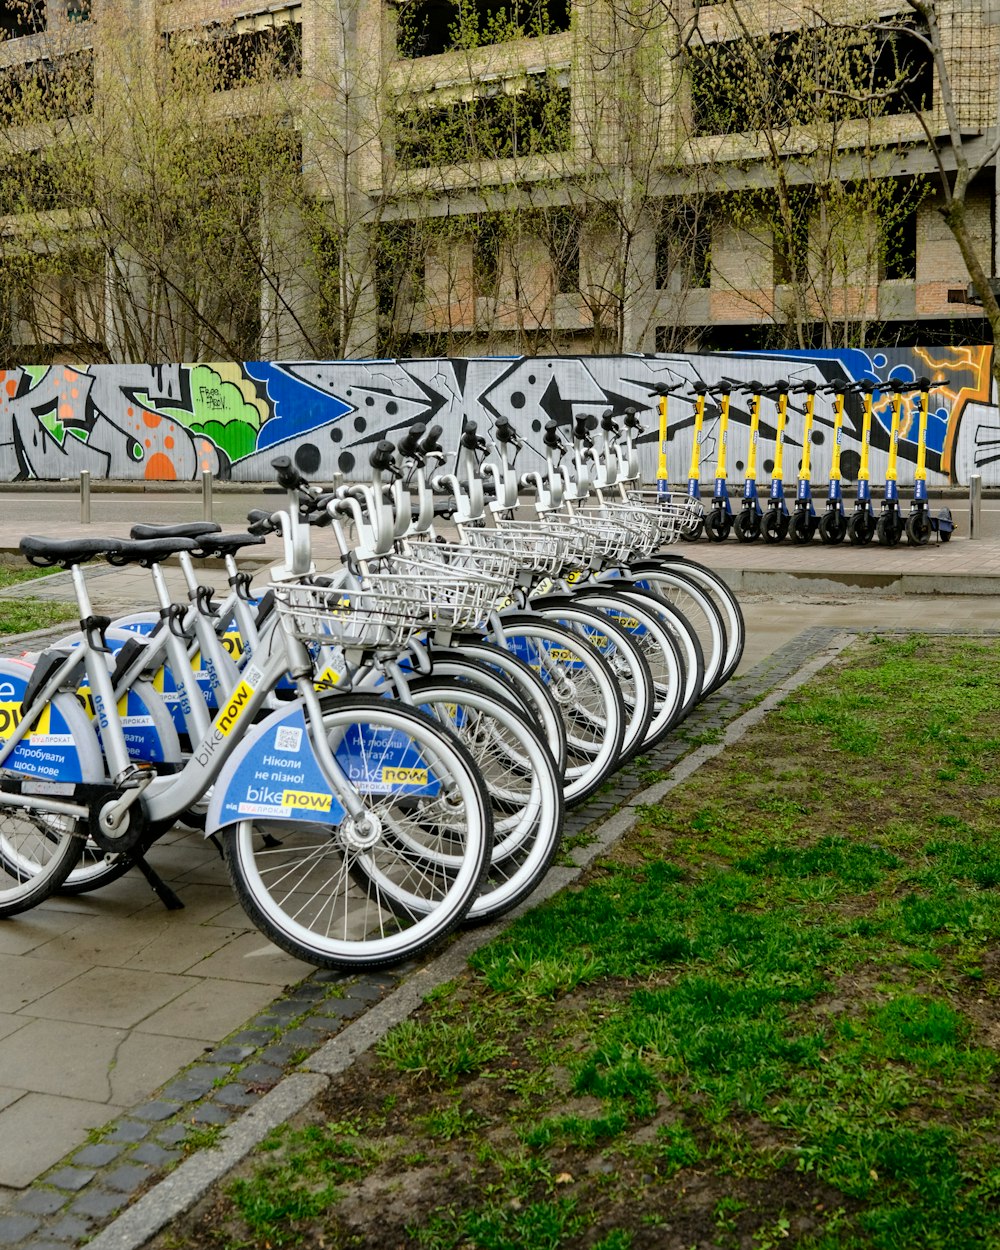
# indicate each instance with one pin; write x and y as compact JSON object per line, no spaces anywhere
{"x":802,"y":529}
{"x":832,"y":527}
{"x":860,"y":529}
{"x":747,"y":527}
{"x":888,"y":530}
{"x":717,"y":526}
{"x":918,"y":529}
{"x":775,"y":527}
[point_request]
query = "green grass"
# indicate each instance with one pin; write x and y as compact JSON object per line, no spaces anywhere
{"x":27,"y":613}
{"x":766,"y":1018}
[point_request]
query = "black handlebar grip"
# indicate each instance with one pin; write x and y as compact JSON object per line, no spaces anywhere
{"x":470,"y":438}
{"x":581,"y":427}
{"x":503,"y":431}
{"x":409,"y":445}
{"x":259,"y":521}
{"x":608,"y":419}
{"x":632,"y":419}
{"x":383,"y":455}
{"x":700,"y":388}
{"x":430,"y":442}
{"x":288,"y":476}
{"x":924,"y":383}
{"x":551,"y":436}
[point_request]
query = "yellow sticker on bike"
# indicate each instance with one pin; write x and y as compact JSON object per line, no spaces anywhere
{"x":307,"y":800}
{"x":10,"y":718}
{"x":234,"y":708}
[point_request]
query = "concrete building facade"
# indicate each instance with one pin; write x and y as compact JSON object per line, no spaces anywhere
{"x":473,"y":176}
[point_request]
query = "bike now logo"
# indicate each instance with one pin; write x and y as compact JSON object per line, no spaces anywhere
{"x":307,"y":800}
{"x":405,"y":776}
{"x":234,"y":708}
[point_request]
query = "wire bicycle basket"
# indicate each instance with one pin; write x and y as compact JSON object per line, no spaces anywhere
{"x":533,"y":546}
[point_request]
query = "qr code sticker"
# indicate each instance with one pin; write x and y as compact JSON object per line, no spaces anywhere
{"x":287,"y":738}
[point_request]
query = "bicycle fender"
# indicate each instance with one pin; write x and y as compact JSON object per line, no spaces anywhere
{"x":61,"y":748}
{"x":275,"y":773}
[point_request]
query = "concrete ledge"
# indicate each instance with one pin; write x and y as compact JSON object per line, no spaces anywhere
{"x":827,"y":582}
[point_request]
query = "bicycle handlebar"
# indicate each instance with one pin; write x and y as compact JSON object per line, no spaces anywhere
{"x":383,"y":455}
{"x":288,"y":476}
{"x":409,"y":444}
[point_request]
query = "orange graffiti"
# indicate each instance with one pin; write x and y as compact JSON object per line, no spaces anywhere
{"x":151,"y":419}
{"x":65,"y":412}
{"x":12,"y":388}
{"x":976,"y":361}
{"x":160,"y":468}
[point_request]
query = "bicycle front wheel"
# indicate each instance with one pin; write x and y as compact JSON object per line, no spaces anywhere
{"x":373,"y":890}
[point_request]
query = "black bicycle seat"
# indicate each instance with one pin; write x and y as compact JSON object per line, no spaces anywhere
{"x":185,"y":529}
{"x":226,"y":544}
{"x":149,"y":551}
{"x":46,"y":553}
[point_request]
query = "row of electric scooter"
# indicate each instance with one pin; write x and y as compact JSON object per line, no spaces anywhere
{"x":773,"y":520}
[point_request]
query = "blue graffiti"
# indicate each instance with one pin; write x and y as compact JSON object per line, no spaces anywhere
{"x":297,"y":406}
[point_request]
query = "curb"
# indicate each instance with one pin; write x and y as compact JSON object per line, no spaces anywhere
{"x":811,"y":581}
{"x":176,"y":1194}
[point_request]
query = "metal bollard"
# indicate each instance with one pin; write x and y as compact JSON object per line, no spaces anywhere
{"x":84,"y":496}
{"x":206,"y":495}
{"x":975,"y":504}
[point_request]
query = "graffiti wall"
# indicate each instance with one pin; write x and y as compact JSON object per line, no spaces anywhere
{"x":172,"y":422}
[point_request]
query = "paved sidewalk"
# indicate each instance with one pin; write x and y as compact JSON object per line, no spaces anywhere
{"x":107,"y":999}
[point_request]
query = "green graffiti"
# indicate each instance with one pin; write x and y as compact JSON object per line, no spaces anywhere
{"x":236,"y":439}
{"x":219,"y":411}
{"x":54,"y":426}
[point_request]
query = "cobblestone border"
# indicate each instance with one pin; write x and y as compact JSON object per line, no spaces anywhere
{"x":81,"y":1194}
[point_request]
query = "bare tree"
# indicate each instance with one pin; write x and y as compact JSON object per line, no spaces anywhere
{"x":960,"y":159}
{"x":808,"y":187}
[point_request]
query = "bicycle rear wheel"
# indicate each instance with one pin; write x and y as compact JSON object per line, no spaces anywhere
{"x":726,"y":603}
{"x":371,"y":891}
{"x":586,"y":694}
{"x":521,"y":779}
{"x":38,"y":851}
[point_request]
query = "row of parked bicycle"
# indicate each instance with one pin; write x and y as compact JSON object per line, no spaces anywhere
{"x":773,"y":520}
{"x":387,"y":750}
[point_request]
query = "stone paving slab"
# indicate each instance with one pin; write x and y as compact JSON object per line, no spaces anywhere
{"x":204,"y":987}
{"x":233,"y":1060}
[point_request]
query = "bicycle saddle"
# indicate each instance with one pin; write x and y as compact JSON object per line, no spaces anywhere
{"x":45,"y":553}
